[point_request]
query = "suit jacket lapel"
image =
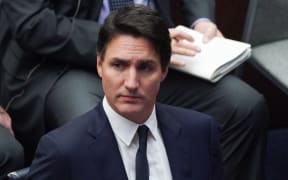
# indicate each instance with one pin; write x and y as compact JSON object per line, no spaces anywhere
{"x":174,"y":141}
{"x":104,"y":148}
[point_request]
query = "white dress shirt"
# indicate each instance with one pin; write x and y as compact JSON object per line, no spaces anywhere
{"x":125,"y":132}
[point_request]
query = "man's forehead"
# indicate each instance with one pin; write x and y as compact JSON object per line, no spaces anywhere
{"x":129,"y":41}
{"x":129,"y":47}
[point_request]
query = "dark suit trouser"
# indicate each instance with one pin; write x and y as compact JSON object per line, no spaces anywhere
{"x":240,"y":110}
{"x":11,"y":153}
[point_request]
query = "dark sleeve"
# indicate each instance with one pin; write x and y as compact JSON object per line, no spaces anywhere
{"x":195,"y":9}
{"x":49,"y":162}
{"x":215,"y":153}
{"x":37,"y":28}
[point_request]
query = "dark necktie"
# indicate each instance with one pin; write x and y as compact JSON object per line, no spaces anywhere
{"x":117,"y":4}
{"x":142,"y":168}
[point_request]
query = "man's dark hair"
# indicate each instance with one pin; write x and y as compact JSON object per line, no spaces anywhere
{"x":138,"y":21}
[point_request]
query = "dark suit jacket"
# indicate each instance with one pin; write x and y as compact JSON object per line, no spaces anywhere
{"x":86,"y":149}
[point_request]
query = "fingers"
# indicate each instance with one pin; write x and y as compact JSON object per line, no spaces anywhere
{"x":208,"y":29}
{"x":177,"y":62}
{"x":183,"y":44}
{"x":219,"y":34}
{"x":5,"y":120}
{"x":179,"y":35}
{"x":184,"y":47}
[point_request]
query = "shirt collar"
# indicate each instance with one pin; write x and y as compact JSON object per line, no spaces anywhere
{"x":125,"y":129}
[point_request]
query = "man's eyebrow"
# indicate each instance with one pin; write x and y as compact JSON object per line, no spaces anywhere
{"x":117,"y":59}
{"x":153,"y":61}
{"x":144,"y":60}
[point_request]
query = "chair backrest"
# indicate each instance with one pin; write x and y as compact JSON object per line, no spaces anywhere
{"x":266,"y":21}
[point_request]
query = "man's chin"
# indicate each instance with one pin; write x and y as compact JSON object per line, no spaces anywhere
{"x":131,"y":110}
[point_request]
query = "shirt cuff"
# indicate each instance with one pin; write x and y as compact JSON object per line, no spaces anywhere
{"x":200,"y":20}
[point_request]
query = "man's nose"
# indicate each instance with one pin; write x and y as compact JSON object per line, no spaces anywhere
{"x":132,"y":79}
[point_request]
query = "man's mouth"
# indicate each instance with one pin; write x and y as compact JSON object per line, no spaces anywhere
{"x":130,"y":98}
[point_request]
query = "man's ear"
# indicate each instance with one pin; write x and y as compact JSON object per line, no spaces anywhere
{"x":99,"y":65}
{"x":164,"y":73}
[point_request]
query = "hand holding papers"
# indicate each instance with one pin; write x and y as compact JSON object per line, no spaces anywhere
{"x":217,"y":57}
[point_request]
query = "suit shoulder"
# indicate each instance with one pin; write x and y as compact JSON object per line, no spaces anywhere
{"x":186,"y":118}
{"x":180,"y":112}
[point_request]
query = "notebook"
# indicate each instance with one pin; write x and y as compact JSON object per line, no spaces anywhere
{"x":217,"y":57}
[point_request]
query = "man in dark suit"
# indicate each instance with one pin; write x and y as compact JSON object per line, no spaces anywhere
{"x":133,"y":56}
{"x":49,"y":76}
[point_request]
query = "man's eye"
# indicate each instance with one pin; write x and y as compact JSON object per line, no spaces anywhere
{"x":117,"y":65}
{"x":145,"y":68}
